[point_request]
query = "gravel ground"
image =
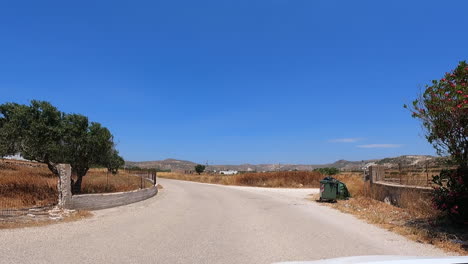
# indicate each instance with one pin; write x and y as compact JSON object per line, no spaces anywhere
{"x":191,"y":222}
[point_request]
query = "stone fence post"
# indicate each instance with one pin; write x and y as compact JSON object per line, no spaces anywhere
{"x":64,"y":185}
{"x":376,"y":173}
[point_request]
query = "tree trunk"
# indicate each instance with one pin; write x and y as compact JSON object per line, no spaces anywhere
{"x":52,"y":166}
{"x":77,"y":184}
{"x":80,"y":173}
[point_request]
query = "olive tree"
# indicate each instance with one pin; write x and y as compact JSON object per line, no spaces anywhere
{"x":34,"y":131}
{"x":42,"y":133}
{"x":84,"y":144}
{"x":114,"y":161}
{"x":199,"y":169}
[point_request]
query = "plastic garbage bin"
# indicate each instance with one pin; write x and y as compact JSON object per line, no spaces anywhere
{"x":328,"y":189}
{"x":332,"y":189}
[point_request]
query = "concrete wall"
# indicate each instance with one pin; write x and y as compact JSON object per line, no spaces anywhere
{"x":401,"y":195}
{"x":376,"y":173}
{"x":404,"y":196}
{"x":108,"y":200}
{"x":64,"y":185}
{"x":97,"y":201}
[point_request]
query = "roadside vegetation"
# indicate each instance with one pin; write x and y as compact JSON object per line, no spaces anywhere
{"x":443,"y":221}
{"x":417,"y":220}
{"x":199,"y":169}
{"x":284,"y":179}
{"x":328,"y":171}
{"x":443,"y":111}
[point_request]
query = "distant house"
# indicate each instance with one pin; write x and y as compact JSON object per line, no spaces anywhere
{"x":15,"y":157}
{"x":228,"y":172}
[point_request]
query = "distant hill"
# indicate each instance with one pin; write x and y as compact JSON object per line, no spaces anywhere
{"x":181,"y":165}
{"x":167,"y":164}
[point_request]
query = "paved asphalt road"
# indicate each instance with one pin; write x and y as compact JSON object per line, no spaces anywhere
{"x":201,"y":223}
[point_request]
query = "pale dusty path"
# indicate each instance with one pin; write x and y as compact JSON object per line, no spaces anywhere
{"x":201,"y":223}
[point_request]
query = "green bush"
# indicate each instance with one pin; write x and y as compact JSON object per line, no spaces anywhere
{"x":328,"y":171}
{"x":443,"y":111}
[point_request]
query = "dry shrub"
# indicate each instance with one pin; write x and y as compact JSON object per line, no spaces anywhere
{"x":419,"y":203}
{"x":293,"y":179}
{"x":414,"y":218}
{"x":416,"y":224}
{"x":354,"y":182}
{"x":205,"y":178}
{"x":99,"y":181}
{"x":285,"y":179}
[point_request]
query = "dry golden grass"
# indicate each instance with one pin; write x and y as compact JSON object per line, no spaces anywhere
{"x":22,"y":186}
{"x":99,"y":181}
{"x":205,"y":178}
{"x":416,"y":225}
{"x":417,"y":220}
{"x":284,"y":179}
{"x":290,"y":179}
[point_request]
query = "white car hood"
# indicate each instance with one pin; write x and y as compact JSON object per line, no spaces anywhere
{"x":386,"y":260}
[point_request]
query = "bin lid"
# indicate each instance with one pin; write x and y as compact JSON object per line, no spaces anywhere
{"x":328,"y":182}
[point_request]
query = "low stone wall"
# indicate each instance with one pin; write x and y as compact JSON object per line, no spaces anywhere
{"x":400,"y":195}
{"x":108,"y":200}
{"x":404,"y":196}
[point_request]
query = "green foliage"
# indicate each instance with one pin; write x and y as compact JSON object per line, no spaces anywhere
{"x":34,"y":131}
{"x":328,"y":171}
{"x":41,"y":132}
{"x":443,"y":111}
{"x":199,"y":169}
{"x":114,"y":161}
{"x":452,"y":197}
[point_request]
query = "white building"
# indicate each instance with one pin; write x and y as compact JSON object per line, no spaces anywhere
{"x":228,"y":172}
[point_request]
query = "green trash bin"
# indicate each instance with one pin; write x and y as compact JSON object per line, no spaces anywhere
{"x":342,"y":191}
{"x":328,"y":189}
{"x":332,"y":189}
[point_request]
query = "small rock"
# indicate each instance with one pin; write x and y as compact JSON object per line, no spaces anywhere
{"x":387,"y":200}
{"x":31,"y":215}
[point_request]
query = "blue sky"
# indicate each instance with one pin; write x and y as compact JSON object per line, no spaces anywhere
{"x":236,"y":81}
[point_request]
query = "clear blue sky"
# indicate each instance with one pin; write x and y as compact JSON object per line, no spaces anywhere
{"x":236,"y":81}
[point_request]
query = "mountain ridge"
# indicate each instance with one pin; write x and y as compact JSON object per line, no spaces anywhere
{"x":182,"y":165}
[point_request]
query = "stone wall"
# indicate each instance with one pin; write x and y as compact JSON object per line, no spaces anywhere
{"x":64,"y":185}
{"x":404,"y":196}
{"x":401,"y":195}
{"x":96,"y":201}
{"x":108,"y":200}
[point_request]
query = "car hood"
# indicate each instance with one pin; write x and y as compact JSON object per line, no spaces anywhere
{"x":386,"y":260}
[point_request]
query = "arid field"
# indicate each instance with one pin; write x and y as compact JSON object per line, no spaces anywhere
{"x":24,"y":186}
